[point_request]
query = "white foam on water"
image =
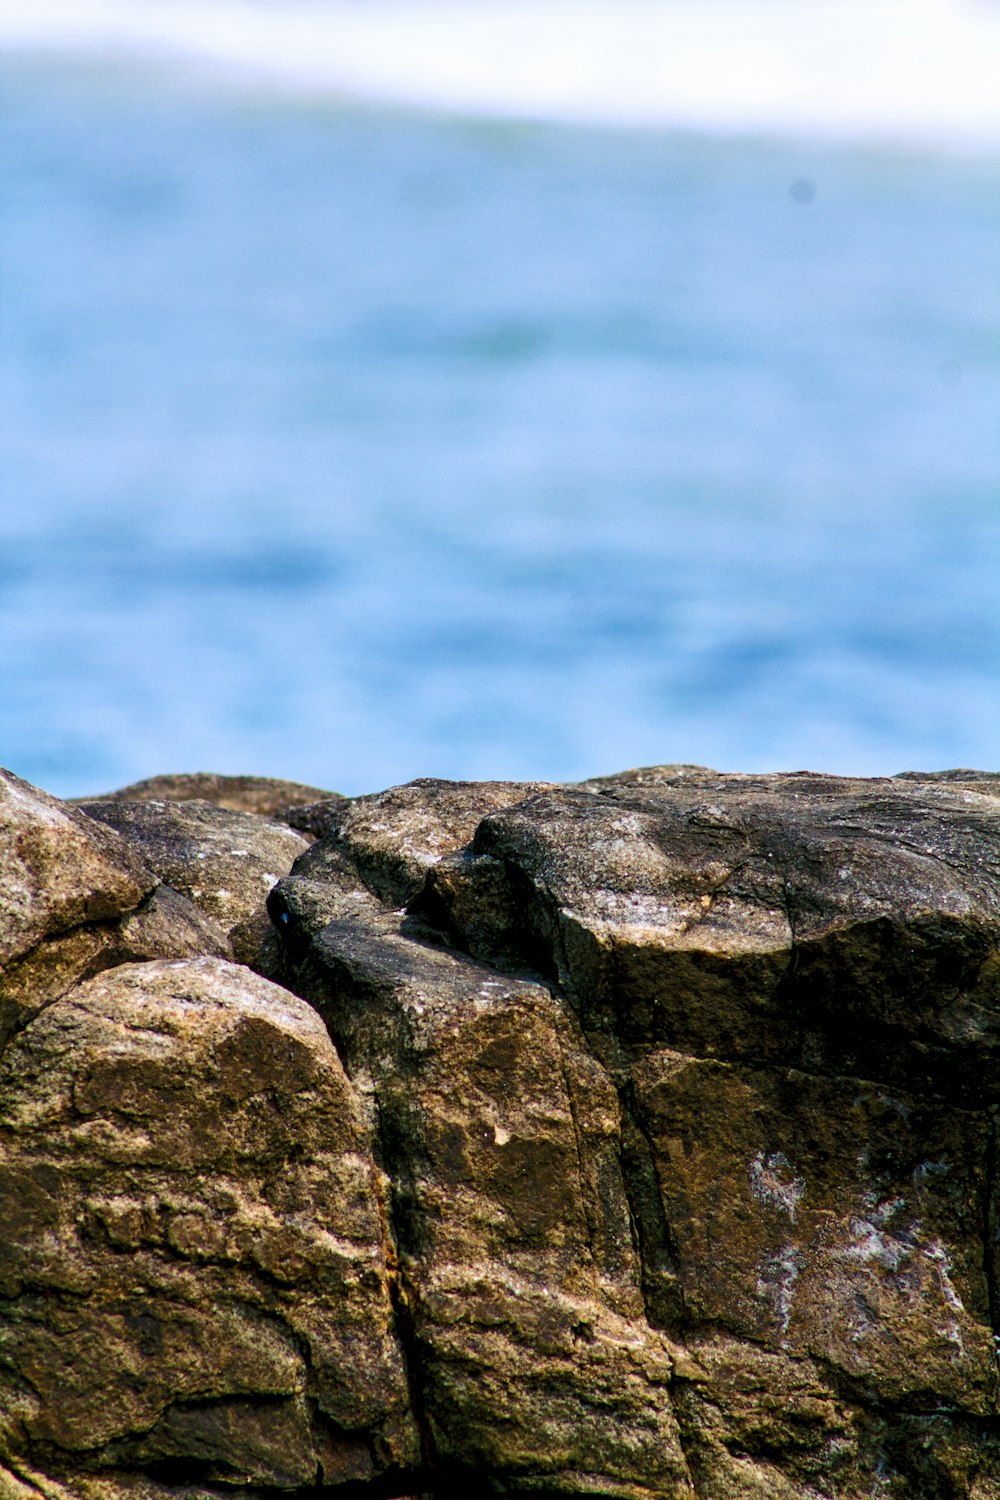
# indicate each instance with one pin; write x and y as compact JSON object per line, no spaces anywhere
{"x":922,"y":70}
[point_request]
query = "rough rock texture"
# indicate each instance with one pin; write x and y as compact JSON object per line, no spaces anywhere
{"x":501,"y":1137}
{"x":192,"y":1258}
{"x":390,"y":840}
{"x":648,"y":1150}
{"x":58,"y":869}
{"x":76,"y":898}
{"x":223,"y":861}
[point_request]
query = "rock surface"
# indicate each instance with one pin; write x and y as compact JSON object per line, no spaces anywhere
{"x":225,"y":862}
{"x":635,"y":1139}
{"x":264,"y":795}
{"x":192,"y":1258}
{"x":75,"y":898}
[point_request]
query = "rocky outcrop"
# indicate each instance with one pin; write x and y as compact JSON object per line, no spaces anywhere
{"x":635,"y":1139}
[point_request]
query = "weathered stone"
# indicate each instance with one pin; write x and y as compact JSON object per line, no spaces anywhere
{"x":74,"y":898}
{"x":762,"y":1425}
{"x":800,"y":920}
{"x":165,"y":925}
{"x":314,"y":819}
{"x":59,"y":869}
{"x":982,"y":781}
{"x":263,"y":795}
{"x":829,"y":1219}
{"x":223,"y":861}
{"x":389,"y":841}
{"x":639,"y":776}
{"x":794,"y":982}
{"x":192,"y":1264}
{"x":681,"y":1092}
{"x":501,"y":1136}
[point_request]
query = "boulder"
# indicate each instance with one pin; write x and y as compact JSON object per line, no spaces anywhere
{"x":193,"y":1265}
{"x":59,"y":869}
{"x":76,"y":898}
{"x":164,"y":925}
{"x":786,"y":992}
{"x":389,"y":841}
{"x":502,"y":1137}
{"x":800,"y":920}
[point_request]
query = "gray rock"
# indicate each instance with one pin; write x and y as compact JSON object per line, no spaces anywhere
{"x":390,"y":840}
{"x":223,"y":861}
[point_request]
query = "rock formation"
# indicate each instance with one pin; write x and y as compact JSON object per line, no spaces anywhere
{"x":636,"y":1139}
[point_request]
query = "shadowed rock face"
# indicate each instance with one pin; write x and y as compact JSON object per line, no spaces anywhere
{"x":804,"y":920}
{"x":636,"y":1139}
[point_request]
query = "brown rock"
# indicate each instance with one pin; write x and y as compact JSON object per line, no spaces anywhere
{"x":59,"y":869}
{"x":263,"y":795}
{"x":165,"y":925}
{"x":804,"y":920}
{"x":191,"y":1260}
{"x":76,"y":898}
{"x":223,"y":861}
{"x":502,"y":1138}
{"x":794,"y":982}
{"x":681,"y":1096}
{"x":390,"y":840}
{"x":828,"y":1218}
{"x":314,"y":819}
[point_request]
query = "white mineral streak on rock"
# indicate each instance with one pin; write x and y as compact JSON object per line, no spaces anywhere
{"x":773,"y":1181}
{"x":776,"y":1280}
{"x":873,"y":1243}
{"x":937,"y":1254}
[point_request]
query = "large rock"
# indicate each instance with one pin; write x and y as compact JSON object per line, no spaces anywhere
{"x":388,"y":841}
{"x":58,"y":869}
{"x":192,"y":1261}
{"x":800,"y":920}
{"x":502,"y":1139}
{"x":76,"y":898}
{"x":224,"y":861}
{"x":794,"y":983}
{"x":164,"y":925}
{"x":790,"y":984}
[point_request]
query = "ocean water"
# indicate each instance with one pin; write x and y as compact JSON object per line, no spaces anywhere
{"x":394,"y":390}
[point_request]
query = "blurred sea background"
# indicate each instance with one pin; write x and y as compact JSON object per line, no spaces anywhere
{"x":396,"y":388}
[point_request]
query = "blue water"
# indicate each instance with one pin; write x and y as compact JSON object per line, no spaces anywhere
{"x":350,"y":444}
